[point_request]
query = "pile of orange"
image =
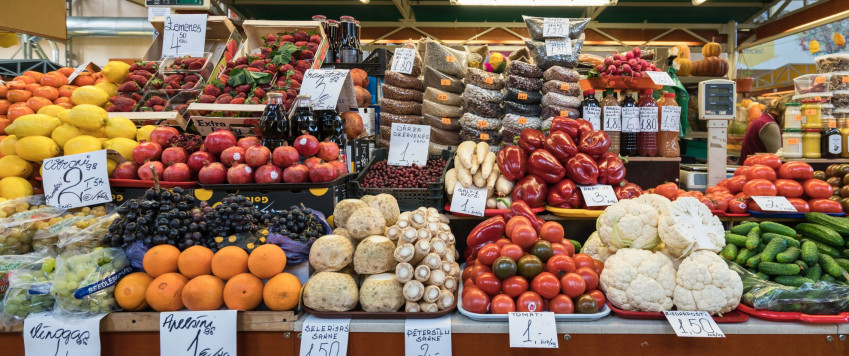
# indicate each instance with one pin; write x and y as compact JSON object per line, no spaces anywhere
{"x":198,"y":279}
{"x":27,"y":93}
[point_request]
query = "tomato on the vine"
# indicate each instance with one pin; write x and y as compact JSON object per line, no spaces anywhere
{"x":546,"y":285}
{"x":502,"y":304}
{"x":551,"y":231}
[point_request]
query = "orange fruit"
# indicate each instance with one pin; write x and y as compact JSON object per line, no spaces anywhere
{"x":18,"y":95}
{"x":35,"y":75}
{"x":281,"y":292}
{"x":32,"y":87}
{"x":4,"y":106}
{"x":204,"y":293}
{"x":65,"y":91}
{"x":195,"y":261}
{"x":4,"y":122}
{"x":266,"y":261}
{"x":49,"y":93}
{"x":130,"y":291}
{"x":229,"y":261}
{"x":243,"y":292}
{"x":18,"y":111}
{"x":54,"y":80}
{"x":4,"y":89}
{"x":84,"y":78}
{"x":165,"y":293}
{"x":16,"y":85}
{"x":160,"y":259}
{"x":25,"y":79}
{"x":35,"y":103}
{"x":66,"y":71}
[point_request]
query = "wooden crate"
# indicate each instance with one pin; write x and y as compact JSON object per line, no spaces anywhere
{"x":141,"y":118}
{"x":219,"y":29}
{"x":255,"y":31}
{"x":240,"y":126}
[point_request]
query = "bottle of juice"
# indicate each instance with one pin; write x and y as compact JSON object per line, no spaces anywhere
{"x":332,"y":128}
{"x":612,"y":120}
{"x":591,"y":109}
{"x":647,"y":139}
{"x":630,"y":125}
{"x":274,"y":124}
{"x":304,"y":122}
{"x":669,"y":120}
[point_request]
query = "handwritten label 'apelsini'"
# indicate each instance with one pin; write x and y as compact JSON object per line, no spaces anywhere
{"x":195,"y":333}
{"x":47,"y":334}
{"x":431,"y":337}
{"x":324,"y":337}
{"x":408,"y":145}
{"x":76,"y":180}
{"x":323,"y":86}
{"x":183,"y":34}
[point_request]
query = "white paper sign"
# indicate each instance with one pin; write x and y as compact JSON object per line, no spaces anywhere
{"x":598,"y":195}
{"x":324,"y":86}
{"x":693,"y":324}
{"x":630,"y":119}
{"x":469,"y":201}
{"x":648,"y":119}
{"x":192,"y":333}
{"x":408,"y":145}
{"x":184,"y":35}
{"x":430,"y":337}
{"x":660,"y":78}
{"x":558,"y":47}
{"x":324,"y":337}
{"x":555,"y":27}
{"x":80,"y":68}
{"x":46,"y":334}
{"x":533,"y":330}
{"x":76,"y":180}
{"x":593,"y":115}
{"x":670,"y":118}
{"x":777,"y":203}
{"x":612,"y":118}
{"x":403,"y":60}
{"x":153,"y":12}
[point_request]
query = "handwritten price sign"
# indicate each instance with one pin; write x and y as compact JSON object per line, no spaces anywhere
{"x":469,"y":201}
{"x":648,"y":119}
{"x":533,"y":330}
{"x":670,"y":118}
{"x":593,"y":115}
{"x":428,"y":337}
{"x":45,"y":334}
{"x":598,"y":195}
{"x":408,"y":145}
{"x":76,"y":180}
{"x":612,"y":118}
{"x":324,"y":86}
{"x":693,"y":324}
{"x":211,"y":333}
{"x":403,"y":60}
{"x":630,"y":119}
{"x":183,"y":34}
{"x":555,"y":27}
{"x":660,"y":78}
{"x":776,"y":203}
{"x":324,"y":337}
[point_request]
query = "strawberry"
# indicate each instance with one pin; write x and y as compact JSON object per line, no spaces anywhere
{"x":143,"y":73}
{"x":157,"y":100}
{"x":285,"y":68}
{"x":297,"y":76}
{"x":306,"y":54}
{"x":265,"y":51}
{"x":252,"y":100}
{"x":232,"y":46}
{"x":210,"y":89}
{"x":315,"y":39}
{"x":271,"y":67}
{"x":301,"y":36}
{"x":237,"y":101}
{"x":122,"y":104}
{"x":253,"y":69}
{"x":241,"y":66}
{"x":241,"y":95}
{"x":224,"y":99}
{"x":158,"y":108}
{"x":259,"y":92}
{"x":196,"y":65}
{"x":303,"y":65}
{"x":301,"y":44}
{"x":258,"y":64}
{"x":130,"y":86}
{"x":188,"y":86}
{"x":241,"y":60}
{"x":271,"y":38}
{"x":191,"y":78}
{"x":287,"y":38}
{"x":295,"y":84}
{"x":136,"y":96}
{"x":206,"y":98}
{"x":312,"y":47}
{"x":244,"y":88}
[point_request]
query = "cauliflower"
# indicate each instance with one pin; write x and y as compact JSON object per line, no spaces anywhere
{"x":659,"y":202}
{"x":638,"y":280}
{"x":706,"y":283}
{"x":688,"y":226}
{"x":596,"y":249}
{"x":628,"y":223}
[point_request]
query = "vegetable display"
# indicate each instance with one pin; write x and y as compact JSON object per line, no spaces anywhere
{"x":475,"y":167}
{"x":836,"y":175}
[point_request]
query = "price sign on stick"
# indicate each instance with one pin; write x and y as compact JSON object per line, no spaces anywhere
{"x":598,"y":195}
{"x":430,"y":337}
{"x":183,"y":35}
{"x":197,"y":333}
{"x":555,"y":27}
{"x":48,"y":334}
{"x":533,"y":330}
{"x":76,"y":180}
{"x":408,"y":145}
{"x":469,"y":201}
{"x":776,"y":203}
{"x":324,"y":337}
{"x":693,"y":324}
{"x":660,"y":78}
{"x":325,"y":88}
{"x":403,"y":60}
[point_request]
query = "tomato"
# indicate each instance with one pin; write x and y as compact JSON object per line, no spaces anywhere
{"x":488,"y":253}
{"x":477,"y":270}
{"x":598,"y":266}
{"x":817,"y":189}
{"x":668,"y":190}
{"x":750,"y":161}
{"x":825,"y":206}
{"x":736,"y":206}
{"x":723,"y":183}
{"x":527,"y":302}
{"x":721,"y":203}
{"x":561,"y":304}
{"x":761,"y":187}
{"x":585,"y":304}
{"x":560,"y":265}
{"x":467,"y":272}
{"x":552,"y":231}
{"x":502,"y":241}
{"x":514,"y":286}
{"x":800,"y":204}
{"x":530,"y":266}
{"x":741,"y":171}
{"x":589,"y":276}
{"x":789,"y":188}
{"x":488,"y":283}
{"x":475,"y":301}
{"x":569,"y":246}
{"x":710,"y":203}
{"x":770,"y":160}
{"x":515,"y":222}
{"x":560,"y":249}
{"x":599,"y":298}
{"x":573,"y":285}
{"x":760,"y":171}
{"x":735,"y":184}
{"x":502,"y":304}
{"x":524,"y":236}
{"x":741,"y":196}
{"x":468,"y":283}
{"x":504,"y":267}
{"x":800,"y":171}
{"x":542,"y":249}
{"x":717,"y":189}
{"x":583,"y":260}
{"x":514,"y":251}
{"x":546,"y":285}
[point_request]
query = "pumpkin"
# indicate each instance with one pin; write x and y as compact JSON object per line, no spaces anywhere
{"x":711,"y":49}
{"x":710,"y":66}
{"x":753,"y":113}
{"x":683,"y":51}
{"x":685,"y":67}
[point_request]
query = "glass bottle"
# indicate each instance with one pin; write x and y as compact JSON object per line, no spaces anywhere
{"x":811,"y":147}
{"x":669,"y":121}
{"x":274,"y":123}
{"x":811,"y":114}
{"x":332,"y":127}
{"x":348,"y":46}
{"x":792,"y":116}
{"x":612,"y":120}
{"x":647,"y":139}
{"x":630,"y":125}
{"x":304,"y":121}
{"x":832,"y":143}
{"x":333,"y":38}
{"x":844,"y":133}
{"x":591,"y":109}
{"x":359,"y":49}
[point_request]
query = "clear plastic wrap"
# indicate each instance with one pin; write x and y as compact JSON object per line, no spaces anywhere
{"x":821,"y":298}
{"x":483,"y":108}
{"x":437,"y":109}
{"x":836,"y":62}
{"x":400,"y":107}
{"x":561,"y":74}
{"x":477,"y":122}
{"x":444,"y":123}
{"x":403,"y":80}
{"x":518,"y":123}
{"x":537,"y":24}
{"x":840,"y":99}
{"x":523,"y":69}
{"x":545,"y":61}
{"x":554,"y":99}
{"x":9,"y":263}
{"x":444,"y":59}
{"x":18,"y":222}
{"x":85,"y":235}
{"x":490,"y":137}
{"x":546,"y":124}
{"x":560,"y":87}
{"x":86,"y":283}
{"x":521,"y":96}
{"x":524,"y":83}
{"x":387,"y":119}
{"x":522,"y":109}
{"x":554,"y":110}
{"x":442,"y":97}
{"x":29,"y":291}
{"x":838,"y":81}
{"x":47,"y":232}
{"x":444,"y":137}
{"x":475,"y":92}
{"x":484,"y":79}
{"x":436,"y":79}
{"x":398,"y":93}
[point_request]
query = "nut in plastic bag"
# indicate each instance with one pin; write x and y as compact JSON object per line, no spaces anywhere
{"x":541,"y":28}
{"x":85,"y":283}
{"x":444,"y":59}
{"x":545,"y":60}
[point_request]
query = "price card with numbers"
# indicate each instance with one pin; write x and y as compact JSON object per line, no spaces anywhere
{"x":49,"y":334}
{"x":329,"y":89}
{"x":693,"y":324}
{"x":630,"y":119}
{"x":469,"y":201}
{"x":776,"y":203}
{"x":670,"y":118}
{"x":183,"y":35}
{"x":533,"y":330}
{"x":193,"y":333}
{"x":612,"y":118}
{"x":648,"y":119}
{"x":324,"y":337}
{"x":408,"y":144}
{"x":558,"y":47}
{"x":660,"y":78}
{"x":555,"y":27}
{"x":76,"y":180}
{"x":428,"y":337}
{"x":593,"y":115}
{"x":403,"y":60}
{"x":598,"y":195}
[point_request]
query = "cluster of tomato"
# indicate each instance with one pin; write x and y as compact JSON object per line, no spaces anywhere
{"x":531,"y":269}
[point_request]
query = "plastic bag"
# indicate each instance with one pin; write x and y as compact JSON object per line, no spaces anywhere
{"x":387,"y":119}
{"x":85,"y":283}
{"x":522,"y":109}
{"x":523,"y":69}
{"x":545,"y":61}
{"x":817,"y":298}
{"x":524,"y":83}
{"x":19,"y":221}
{"x":536,"y":25}
{"x":9,"y":263}
{"x":474,"y":92}
{"x":554,"y":110}
{"x":297,"y":252}
{"x":398,"y":93}
{"x":403,"y":80}
{"x":85,"y":235}
{"x":561,"y":74}
{"x":444,"y":123}
{"x":521,"y":54}
{"x":489,"y":136}
{"x":484,"y":79}
{"x":46,"y":237}
{"x":437,"y":109}
{"x":436,"y":149}
{"x":478,"y":122}
{"x":442,"y":97}
{"x":483,"y":108}
{"x":445,"y":137}
{"x":436,"y":79}
{"x":519,"y":123}
{"x":400,"y":107}
{"x":554,"y":99}
{"x":560,"y":87}
{"x":522,"y":96}
{"x":444,"y":59}
{"x":29,"y":291}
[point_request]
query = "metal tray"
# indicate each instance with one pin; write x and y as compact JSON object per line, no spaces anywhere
{"x":734,"y":316}
{"x":369,"y":315}
{"x":504,"y":317}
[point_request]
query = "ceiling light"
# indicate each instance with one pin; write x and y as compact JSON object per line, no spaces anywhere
{"x":698,"y":2}
{"x":535,"y":2}
{"x":364,"y":1}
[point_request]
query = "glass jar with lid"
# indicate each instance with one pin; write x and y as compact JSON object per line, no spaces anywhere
{"x":792,"y":143}
{"x":792,"y":117}
{"x":811,"y":143}
{"x":811,"y":114}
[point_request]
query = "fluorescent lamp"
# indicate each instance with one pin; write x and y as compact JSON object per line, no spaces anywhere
{"x":364,"y":1}
{"x":535,"y":2}
{"x":698,"y":2}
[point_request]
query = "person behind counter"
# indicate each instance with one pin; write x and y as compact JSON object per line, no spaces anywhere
{"x":763,"y":134}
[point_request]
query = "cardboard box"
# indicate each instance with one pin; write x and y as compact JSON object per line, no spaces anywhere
{"x":240,"y":126}
{"x":219,"y":30}
{"x":255,"y":31}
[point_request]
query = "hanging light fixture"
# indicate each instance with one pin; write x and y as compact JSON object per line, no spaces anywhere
{"x":698,"y":2}
{"x":535,"y":2}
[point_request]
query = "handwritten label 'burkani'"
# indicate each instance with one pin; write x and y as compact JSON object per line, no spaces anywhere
{"x":45,"y":334}
{"x":76,"y":180}
{"x":208,"y":333}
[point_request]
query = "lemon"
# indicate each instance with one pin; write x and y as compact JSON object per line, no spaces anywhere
{"x":87,"y":116}
{"x":111,"y":89}
{"x":33,"y":125}
{"x":63,"y":115}
{"x":123,"y":146}
{"x":52,"y":110}
{"x":36,"y":148}
{"x":64,"y":133}
{"x":81,"y":144}
{"x":14,"y":166}
{"x":120,"y":127}
{"x":115,"y":71}
{"x":7,"y":145}
{"x":99,"y":133}
{"x":110,"y":166}
{"x":15,"y":187}
{"x":143,"y":133}
{"x":89,"y":94}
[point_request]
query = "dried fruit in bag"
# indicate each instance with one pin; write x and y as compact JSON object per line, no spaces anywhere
{"x":387,"y":119}
{"x":477,"y":122}
{"x":437,"y":109}
{"x":403,"y":80}
{"x":559,"y":87}
{"x":524,"y":83}
{"x":398,"y":93}
{"x":523,"y":69}
{"x":444,"y":137}
{"x":490,"y":137}
{"x":483,"y":108}
{"x":519,"y":123}
{"x":562,"y":74}
{"x":522,"y":96}
{"x":400,"y":107}
{"x":545,"y":60}
{"x":536,"y":26}
{"x":483,"y":79}
{"x":436,"y":79}
{"x":554,"y":99}
{"x":444,"y":123}
{"x":475,"y":92}
{"x":551,"y":111}
{"x":444,"y":59}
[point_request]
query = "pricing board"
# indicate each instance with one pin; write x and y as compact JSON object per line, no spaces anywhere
{"x":612,"y":118}
{"x":693,"y":324}
{"x":329,"y":89}
{"x":598,"y":195}
{"x":49,"y":334}
{"x":193,"y":333}
{"x":661,"y":78}
{"x":558,"y":47}
{"x":183,"y":35}
{"x":428,"y":337}
{"x":555,"y":27}
{"x":403,"y":60}
{"x":776,"y":203}
{"x":532,"y":330}
{"x":324,"y":337}
{"x":670,"y":118}
{"x":76,"y":180}
{"x":408,"y":145}
{"x":469,"y":201}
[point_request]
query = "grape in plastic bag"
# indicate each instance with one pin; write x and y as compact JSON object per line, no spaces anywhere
{"x":29,"y":291}
{"x":297,"y":252}
{"x":85,"y":283}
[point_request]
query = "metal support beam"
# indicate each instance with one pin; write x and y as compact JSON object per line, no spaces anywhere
{"x":761,"y":11}
{"x":404,"y":8}
{"x":592,"y":24}
{"x":731,"y":49}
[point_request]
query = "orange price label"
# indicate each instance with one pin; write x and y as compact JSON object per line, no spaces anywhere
{"x":793,"y":141}
{"x":523,"y":120}
{"x":798,"y":117}
{"x":810,"y":112}
{"x":564,"y":113}
{"x":564,"y":86}
{"x":523,"y":96}
{"x":446,"y":121}
{"x":819,"y":80}
{"x":450,"y":59}
{"x":488,"y":80}
{"x":485,"y":137}
{"x":832,"y":124}
{"x":445,"y":82}
{"x":481,"y":123}
{"x":845,"y":79}
{"x":442,"y":97}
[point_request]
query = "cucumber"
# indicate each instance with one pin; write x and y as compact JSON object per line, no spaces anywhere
{"x":826,"y":249}
{"x":780,"y":269}
{"x":576,"y":244}
{"x":753,"y":238}
{"x":762,"y":275}
{"x":774,"y":227}
{"x":743,"y":228}
{"x":828,"y":278}
{"x":809,"y":252}
{"x":731,"y":238}
{"x":773,"y":248}
{"x":845,"y":253}
{"x":791,"y":254}
{"x":802,"y":265}
{"x":792,"y":281}
{"x":844,"y":263}
{"x":729,"y":252}
{"x":761,"y":247}
{"x":830,"y":266}
{"x":814,"y":273}
{"x":754,"y":261}
{"x":744,"y":256}
{"x":821,"y":233}
{"x":768,"y":236}
{"x":839,"y":225}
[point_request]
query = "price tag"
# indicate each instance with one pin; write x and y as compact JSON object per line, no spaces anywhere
{"x":324,"y":87}
{"x":523,"y":121}
{"x":485,"y":137}
{"x":564,"y":113}
{"x":76,"y":180}
{"x":450,"y":59}
{"x":408,"y":145}
{"x":153,"y":12}
{"x":845,"y":79}
{"x":469,"y":201}
{"x":810,"y":112}
{"x":598,"y":195}
{"x":193,"y":333}
{"x":324,"y":337}
{"x":403,"y":60}
{"x":488,"y":80}
{"x":693,"y":324}
{"x":533,"y":330}
{"x":798,"y":117}
{"x":446,"y":121}
{"x":48,"y":334}
{"x":776,"y":203}
{"x":558,"y":47}
{"x":442,"y":97}
{"x":184,"y":34}
{"x":670,"y":118}
{"x":482,"y":123}
{"x":648,"y":119}
{"x":793,"y":141}
{"x":832,"y":124}
{"x":445,"y":82}
{"x":522,"y":96}
{"x":591,"y":114}
{"x":564,"y":86}
{"x":819,"y":80}
{"x":660,"y":78}
{"x":428,"y":337}
{"x":555,"y":27}
{"x":612,"y":118}
{"x":630,"y":119}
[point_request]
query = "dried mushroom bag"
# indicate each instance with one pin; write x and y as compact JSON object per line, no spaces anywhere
{"x":443,"y":97}
{"x":523,"y":69}
{"x":436,"y":79}
{"x":400,"y":107}
{"x":28,"y":291}
{"x":398,"y":93}
{"x":522,"y":109}
{"x":444,"y":59}
{"x":18,"y":220}
{"x":537,"y":24}
{"x":492,"y":137}
{"x":444,"y":123}
{"x":387,"y":119}
{"x":819,"y":298}
{"x":402,"y":80}
{"x":85,"y":283}
{"x":85,"y":235}
{"x":478,"y":122}
{"x":545,"y":61}
{"x":474,"y":92}
{"x":522,"y":96}
{"x":518,"y":123}
{"x":484,"y":79}
{"x":483,"y":108}
{"x":559,"y":87}
{"x":441,"y":110}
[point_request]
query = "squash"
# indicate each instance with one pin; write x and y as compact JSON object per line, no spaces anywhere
{"x":753,"y":113}
{"x":683,"y":51}
{"x":711,"y":49}
{"x":710,"y":67}
{"x":685,"y":67}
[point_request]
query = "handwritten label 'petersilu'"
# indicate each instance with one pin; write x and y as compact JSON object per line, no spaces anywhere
{"x":693,"y":324}
{"x":598,"y":195}
{"x":195,"y":333}
{"x":48,"y":334}
{"x":612,"y":118}
{"x":324,"y":86}
{"x":403,"y":60}
{"x":469,"y":201}
{"x":408,"y":145}
{"x":532,"y":330}
{"x":76,"y":180}
{"x":183,"y":35}
{"x":430,"y":337}
{"x":324,"y":337}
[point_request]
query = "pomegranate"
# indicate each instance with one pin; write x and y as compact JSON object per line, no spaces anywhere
{"x":147,"y":151}
{"x":340,"y":168}
{"x":213,"y":173}
{"x":173,"y":155}
{"x":217,"y":141}
{"x":328,"y":151}
{"x":285,"y":156}
{"x":322,"y":172}
{"x":269,"y":173}
{"x":353,"y":124}
{"x":307,"y":145}
{"x":126,"y":170}
{"x":312,"y":162}
{"x":162,"y":134}
{"x":248,"y":141}
{"x":232,"y":156}
{"x":240,"y":174}
{"x":177,"y":172}
{"x":296,"y":173}
{"x":199,"y":159}
{"x":256,"y":156}
{"x":146,"y":174}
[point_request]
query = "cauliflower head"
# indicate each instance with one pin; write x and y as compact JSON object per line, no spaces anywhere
{"x":638,"y":280}
{"x":705,"y":282}
{"x":687,"y":226}
{"x":596,"y":249}
{"x":659,"y":202}
{"x":628,"y":224}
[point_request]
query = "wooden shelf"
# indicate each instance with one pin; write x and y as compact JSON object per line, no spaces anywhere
{"x":652,"y":159}
{"x":818,"y":160}
{"x":149,"y":321}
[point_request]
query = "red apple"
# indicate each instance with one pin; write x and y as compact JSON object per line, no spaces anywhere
{"x":199,"y":159}
{"x":219,"y":140}
{"x":322,"y":172}
{"x":233,"y":155}
{"x":328,"y":151}
{"x":177,"y":172}
{"x":256,"y":156}
{"x":269,"y":173}
{"x":240,"y":174}
{"x":312,"y":162}
{"x":340,"y":168}
{"x":285,"y":156}
{"x":173,"y":155}
{"x":126,"y":170}
{"x":296,"y":173}
{"x":146,"y":174}
{"x":147,"y":151}
{"x":307,"y":145}
{"x":213,"y":173}
{"x":162,"y":134}
{"x":248,"y":141}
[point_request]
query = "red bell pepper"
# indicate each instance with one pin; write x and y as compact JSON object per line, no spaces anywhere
{"x":487,"y":231}
{"x":531,"y":190}
{"x":531,"y":140}
{"x":521,"y":208}
{"x":544,"y":165}
{"x":565,"y":124}
{"x":584,"y":127}
{"x":594,"y":143}
{"x":627,"y":191}
{"x":560,"y":194}
{"x":582,"y":169}
{"x":561,"y":146}
{"x":512,"y":161}
{"x":611,"y":170}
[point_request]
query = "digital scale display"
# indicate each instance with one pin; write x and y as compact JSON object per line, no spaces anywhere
{"x":716,"y":99}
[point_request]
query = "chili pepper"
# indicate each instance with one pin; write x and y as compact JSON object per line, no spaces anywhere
{"x":531,"y":140}
{"x":567,"y":125}
{"x":560,"y":194}
{"x":561,"y":146}
{"x":512,"y":161}
{"x":543,"y":164}
{"x":521,"y":208}
{"x":627,"y":191}
{"x":487,"y":231}
{"x":582,"y":169}
{"x":611,"y":170}
{"x":594,"y":143}
{"x":585,"y":127}
{"x":531,"y":190}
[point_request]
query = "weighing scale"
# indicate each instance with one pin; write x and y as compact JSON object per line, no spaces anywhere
{"x":694,"y":176}
{"x":717,"y":105}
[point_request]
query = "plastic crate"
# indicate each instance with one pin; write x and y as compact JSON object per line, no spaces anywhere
{"x":408,"y":198}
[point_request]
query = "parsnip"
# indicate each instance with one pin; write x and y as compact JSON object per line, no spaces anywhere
{"x":476,"y":165}
{"x":450,"y":283}
{"x":404,"y":272}
{"x":464,"y":177}
{"x":446,"y":299}
{"x":437,"y":277}
{"x":464,"y":153}
{"x":450,"y":180}
{"x":503,"y":187}
{"x":421,"y":273}
{"x":404,"y":252}
{"x":492,"y":179}
{"x":412,"y":307}
{"x":431,"y":294}
{"x":481,"y":150}
{"x":478,"y":179}
{"x":413,"y":291}
{"x":425,"y":307}
{"x":487,"y":164}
